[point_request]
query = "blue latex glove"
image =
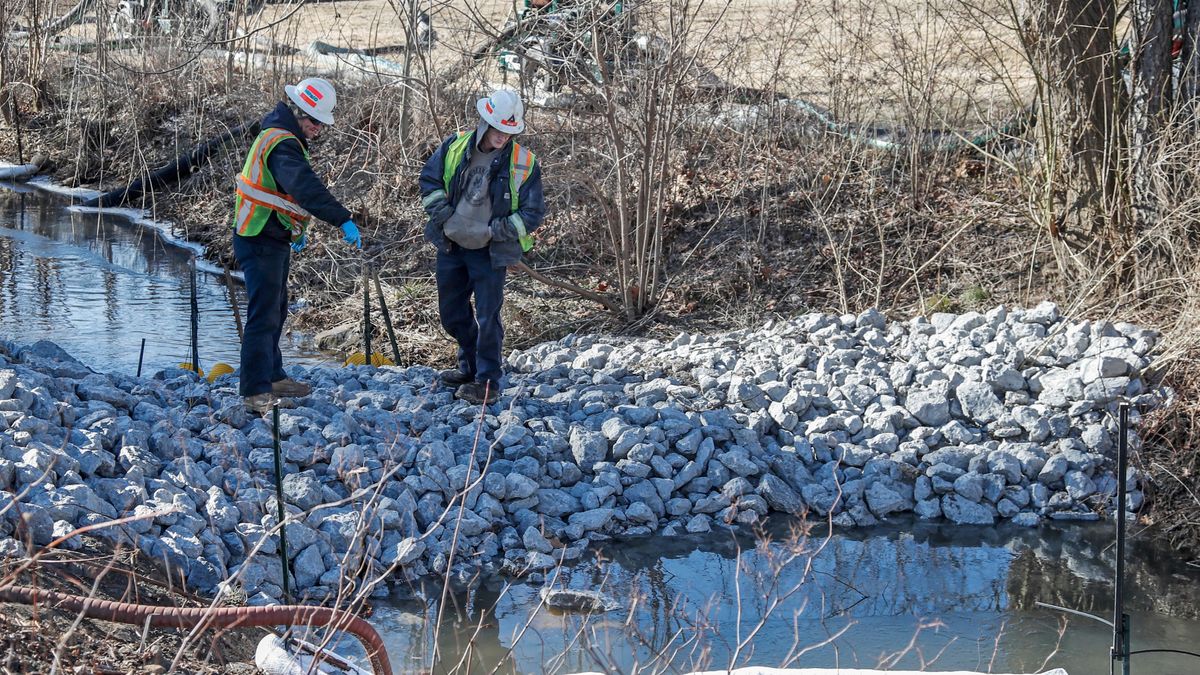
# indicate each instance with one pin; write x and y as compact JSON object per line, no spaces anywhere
{"x":300,"y":243}
{"x":352,"y":235}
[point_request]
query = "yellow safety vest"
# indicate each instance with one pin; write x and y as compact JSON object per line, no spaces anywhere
{"x":520,"y":167}
{"x":257,"y":193}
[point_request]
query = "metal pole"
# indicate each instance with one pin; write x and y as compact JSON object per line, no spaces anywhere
{"x":233,"y":302}
{"x":283,"y":550}
{"x":16,"y":115}
{"x":1120,"y":648}
{"x":366,"y":316}
{"x":387,"y":319}
{"x":195,"y":323}
{"x":141,"y":355}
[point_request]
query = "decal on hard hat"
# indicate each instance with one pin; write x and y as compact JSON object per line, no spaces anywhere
{"x":311,"y":95}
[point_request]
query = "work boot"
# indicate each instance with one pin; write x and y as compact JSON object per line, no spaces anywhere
{"x":454,"y":377}
{"x":472,"y":392}
{"x":289,"y":388}
{"x":261,"y":403}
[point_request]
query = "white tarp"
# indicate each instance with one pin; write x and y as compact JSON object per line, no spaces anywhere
{"x":846,"y":671}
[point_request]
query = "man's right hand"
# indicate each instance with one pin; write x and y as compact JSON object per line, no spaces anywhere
{"x":352,"y":236}
{"x":440,"y":213}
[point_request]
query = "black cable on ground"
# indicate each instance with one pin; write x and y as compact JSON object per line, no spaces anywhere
{"x":1165,"y":651}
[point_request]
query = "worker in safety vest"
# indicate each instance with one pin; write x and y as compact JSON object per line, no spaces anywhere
{"x":483,"y":194}
{"x":277,"y":195}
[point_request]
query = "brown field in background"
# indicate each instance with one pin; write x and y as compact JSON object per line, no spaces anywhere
{"x":860,"y":59}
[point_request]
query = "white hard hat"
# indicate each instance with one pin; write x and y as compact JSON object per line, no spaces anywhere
{"x":503,"y":111}
{"x":315,"y":97}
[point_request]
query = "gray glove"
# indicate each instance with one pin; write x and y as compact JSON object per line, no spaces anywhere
{"x":503,"y":229}
{"x":440,"y":213}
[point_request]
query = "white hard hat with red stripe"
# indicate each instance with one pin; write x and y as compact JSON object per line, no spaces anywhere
{"x":503,"y":110}
{"x":315,"y":97}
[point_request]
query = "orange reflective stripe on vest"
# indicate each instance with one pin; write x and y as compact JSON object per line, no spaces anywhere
{"x":257,"y":197}
{"x":276,"y":201}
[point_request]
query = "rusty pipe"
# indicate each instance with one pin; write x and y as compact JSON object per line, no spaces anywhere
{"x":218,"y":617}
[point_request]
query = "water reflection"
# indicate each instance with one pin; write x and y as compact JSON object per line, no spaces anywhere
{"x":97,"y":286}
{"x":908,"y":596}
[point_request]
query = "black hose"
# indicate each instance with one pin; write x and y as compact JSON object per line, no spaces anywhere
{"x":1165,"y":651}
{"x":169,"y":174}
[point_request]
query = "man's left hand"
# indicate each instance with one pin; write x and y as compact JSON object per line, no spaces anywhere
{"x":300,"y":243}
{"x":503,"y":229}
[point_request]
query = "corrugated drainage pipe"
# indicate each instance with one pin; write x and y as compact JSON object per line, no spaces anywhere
{"x":217,"y":617}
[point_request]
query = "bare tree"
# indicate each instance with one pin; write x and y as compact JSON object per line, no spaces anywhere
{"x":1150,"y":79}
{"x":1070,"y":44}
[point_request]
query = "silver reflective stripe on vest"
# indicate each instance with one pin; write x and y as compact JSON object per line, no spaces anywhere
{"x":522,"y":235}
{"x":244,"y":213}
{"x":518,"y":224}
{"x":433,"y":197}
{"x":272,"y":200}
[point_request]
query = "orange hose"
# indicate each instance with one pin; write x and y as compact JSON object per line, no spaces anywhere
{"x":219,"y":617}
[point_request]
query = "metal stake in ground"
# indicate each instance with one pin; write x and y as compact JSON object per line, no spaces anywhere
{"x":141,"y":355}
{"x":1120,"y":647}
{"x":366,"y":316}
{"x":387,"y":319}
{"x":195,"y":323}
{"x":283,"y":549}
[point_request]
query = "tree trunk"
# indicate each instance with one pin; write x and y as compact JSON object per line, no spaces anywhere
{"x":1189,"y":72}
{"x":1071,"y":44}
{"x":1150,"y":75}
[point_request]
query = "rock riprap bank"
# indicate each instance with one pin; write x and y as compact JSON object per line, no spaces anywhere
{"x":971,"y":417}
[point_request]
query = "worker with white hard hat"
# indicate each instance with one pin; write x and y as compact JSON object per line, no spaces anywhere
{"x":277,"y":195}
{"x":483,"y":193}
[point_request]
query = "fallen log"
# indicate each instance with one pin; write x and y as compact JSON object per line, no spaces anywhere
{"x":608,"y":303}
{"x":169,"y":174}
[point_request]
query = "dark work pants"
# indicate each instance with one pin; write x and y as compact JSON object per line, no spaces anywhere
{"x":265,"y":263}
{"x":462,"y":273}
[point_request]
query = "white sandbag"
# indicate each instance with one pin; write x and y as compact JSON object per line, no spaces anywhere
{"x":22,"y":172}
{"x":273,"y":657}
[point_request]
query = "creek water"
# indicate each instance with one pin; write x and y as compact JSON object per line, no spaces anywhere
{"x":906,"y":595}
{"x":97,"y":284}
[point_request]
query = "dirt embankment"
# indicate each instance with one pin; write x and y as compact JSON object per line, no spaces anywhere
{"x":35,"y":639}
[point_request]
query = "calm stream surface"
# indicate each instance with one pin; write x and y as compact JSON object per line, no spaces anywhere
{"x":904,"y":594}
{"x":97,"y":285}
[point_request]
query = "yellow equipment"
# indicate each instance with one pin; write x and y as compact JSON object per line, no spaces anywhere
{"x":218,"y":370}
{"x":377,"y":360}
{"x":187,"y":365}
